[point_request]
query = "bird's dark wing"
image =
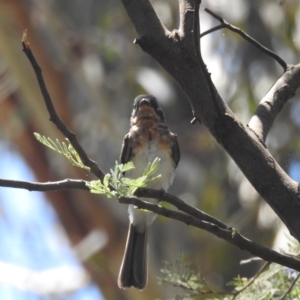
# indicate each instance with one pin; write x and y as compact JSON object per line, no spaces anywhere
{"x":126,"y":150}
{"x":175,"y":149}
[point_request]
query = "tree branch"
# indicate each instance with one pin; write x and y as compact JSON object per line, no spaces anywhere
{"x":271,"y":105}
{"x":225,"y":24}
{"x":81,"y":185}
{"x":145,"y":15}
{"x":189,"y":215}
{"x":241,"y":143}
{"x":230,"y":235}
{"x":66,"y":184}
{"x":179,"y":204}
{"x":221,"y":26}
{"x":279,"y":94}
{"x":52,"y":112}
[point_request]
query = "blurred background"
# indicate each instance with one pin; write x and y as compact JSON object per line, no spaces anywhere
{"x":69,"y":244}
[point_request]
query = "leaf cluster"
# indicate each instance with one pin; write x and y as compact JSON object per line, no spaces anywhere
{"x":67,"y":150}
{"x":271,"y":284}
{"x":115,"y":185}
{"x":274,"y":283}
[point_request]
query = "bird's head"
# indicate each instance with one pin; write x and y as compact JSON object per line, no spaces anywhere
{"x":146,"y":107}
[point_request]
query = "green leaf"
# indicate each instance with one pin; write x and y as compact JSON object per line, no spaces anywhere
{"x":67,"y":150}
{"x":116,"y":185}
{"x":127,"y":167}
{"x":106,"y":179}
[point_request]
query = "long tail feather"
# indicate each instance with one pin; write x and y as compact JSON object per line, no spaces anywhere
{"x":133,"y":270}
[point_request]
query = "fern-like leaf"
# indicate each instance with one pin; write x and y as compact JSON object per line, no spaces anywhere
{"x":60,"y":147}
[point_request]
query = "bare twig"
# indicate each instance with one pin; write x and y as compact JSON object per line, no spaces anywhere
{"x":290,"y":288}
{"x":225,"y":24}
{"x":212,"y":30}
{"x":263,"y":268}
{"x":52,"y":112}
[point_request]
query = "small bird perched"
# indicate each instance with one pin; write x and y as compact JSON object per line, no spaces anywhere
{"x":149,"y":137}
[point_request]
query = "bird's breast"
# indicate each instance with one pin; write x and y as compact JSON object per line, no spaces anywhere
{"x":149,"y":145}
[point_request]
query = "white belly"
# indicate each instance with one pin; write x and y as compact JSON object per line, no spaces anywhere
{"x":166,"y":169}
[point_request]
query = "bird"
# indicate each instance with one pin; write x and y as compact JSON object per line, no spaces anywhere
{"x":149,"y":137}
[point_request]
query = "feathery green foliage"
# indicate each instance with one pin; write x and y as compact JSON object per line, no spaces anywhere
{"x":275,"y":282}
{"x":115,"y":185}
{"x":66,"y":150}
{"x":182,"y":275}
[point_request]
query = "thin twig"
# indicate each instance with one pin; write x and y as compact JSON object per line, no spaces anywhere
{"x":290,"y":288}
{"x":52,"y":112}
{"x":218,"y":27}
{"x":181,"y":205}
{"x":66,"y":184}
{"x":247,"y":37}
{"x":263,"y":268}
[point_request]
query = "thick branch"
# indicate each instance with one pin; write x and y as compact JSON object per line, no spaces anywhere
{"x":271,"y":105}
{"x":242,"y":144}
{"x":144,"y":16}
{"x":52,"y":112}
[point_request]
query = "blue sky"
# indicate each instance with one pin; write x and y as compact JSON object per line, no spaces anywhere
{"x":29,"y":233}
